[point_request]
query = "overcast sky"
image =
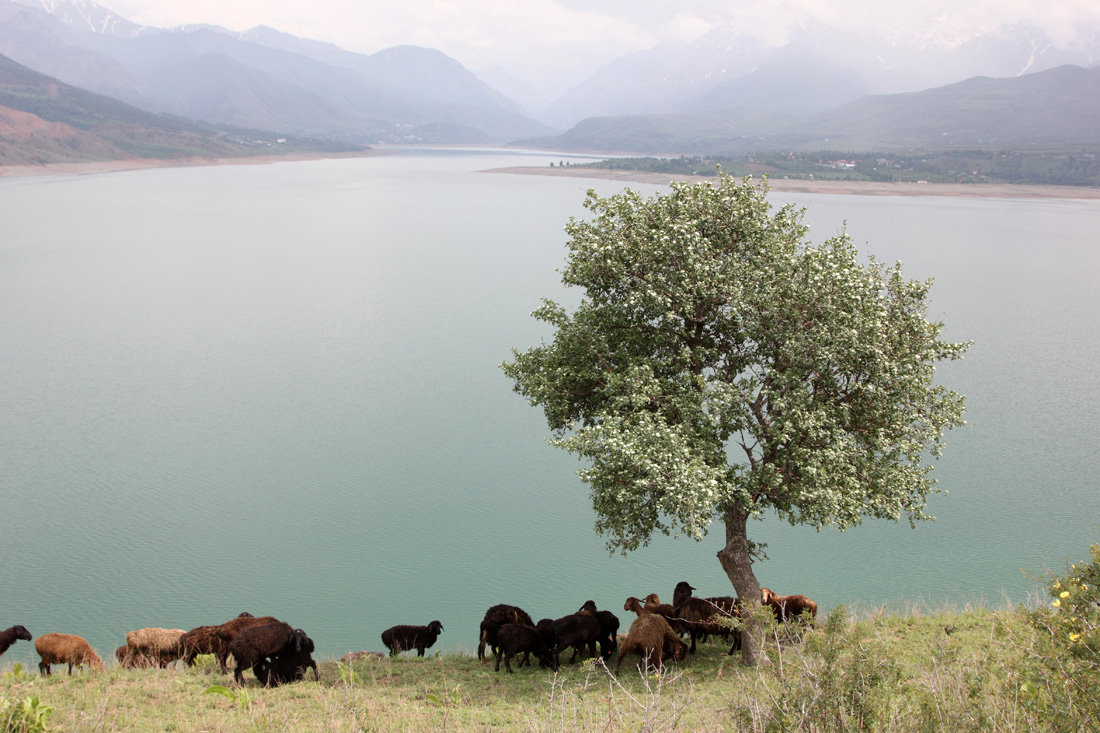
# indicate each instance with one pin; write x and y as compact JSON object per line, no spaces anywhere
{"x":562,"y":41}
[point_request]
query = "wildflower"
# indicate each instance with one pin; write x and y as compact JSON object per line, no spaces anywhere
{"x":1064,"y":594}
{"x":1057,"y":603}
{"x":1074,"y":637}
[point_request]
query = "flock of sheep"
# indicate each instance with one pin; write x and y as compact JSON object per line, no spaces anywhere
{"x":278,"y":653}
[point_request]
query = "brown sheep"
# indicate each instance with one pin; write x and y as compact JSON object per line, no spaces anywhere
{"x":229,"y":630}
{"x":200,"y":640}
{"x":651,"y":637}
{"x":12,"y":635}
{"x":161,"y":646}
{"x":786,"y":608}
{"x":653,"y":605}
{"x":130,"y":659}
{"x":65,"y":649}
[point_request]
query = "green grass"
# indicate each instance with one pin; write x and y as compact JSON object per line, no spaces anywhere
{"x":970,"y":669}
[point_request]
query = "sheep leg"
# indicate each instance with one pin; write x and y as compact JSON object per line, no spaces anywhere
{"x":44,"y":669}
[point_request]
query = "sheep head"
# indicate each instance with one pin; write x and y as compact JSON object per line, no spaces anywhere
{"x":22,"y":633}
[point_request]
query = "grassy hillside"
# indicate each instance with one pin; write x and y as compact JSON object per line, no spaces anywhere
{"x":952,"y":670}
{"x":965,"y":669}
{"x":43,"y":120}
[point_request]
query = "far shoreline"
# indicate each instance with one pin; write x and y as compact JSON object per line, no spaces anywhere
{"x":785,"y":185}
{"x":135,"y":164}
{"x":857,"y":188}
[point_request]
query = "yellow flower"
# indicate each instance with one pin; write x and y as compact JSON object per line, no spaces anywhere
{"x":1074,"y":637}
{"x":1056,"y":603}
{"x":1064,"y":594}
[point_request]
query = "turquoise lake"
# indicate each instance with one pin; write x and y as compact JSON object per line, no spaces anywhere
{"x":276,"y":388}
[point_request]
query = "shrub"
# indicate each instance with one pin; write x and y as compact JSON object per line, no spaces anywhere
{"x":1065,"y":675}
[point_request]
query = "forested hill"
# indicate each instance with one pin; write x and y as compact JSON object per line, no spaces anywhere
{"x":43,"y":120}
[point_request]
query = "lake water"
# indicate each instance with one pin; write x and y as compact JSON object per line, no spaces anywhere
{"x":276,"y":389}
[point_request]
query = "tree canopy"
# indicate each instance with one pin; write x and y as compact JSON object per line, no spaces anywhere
{"x":719,"y":366}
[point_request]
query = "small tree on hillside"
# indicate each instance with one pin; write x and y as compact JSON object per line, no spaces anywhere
{"x":719,"y":366}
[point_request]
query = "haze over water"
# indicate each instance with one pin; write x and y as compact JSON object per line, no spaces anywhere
{"x":276,"y":389}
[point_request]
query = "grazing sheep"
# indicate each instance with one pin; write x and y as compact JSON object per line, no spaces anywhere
{"x":162,"y":646}
{"x":786,"y":608}
{"x":609,"y":629}
{"x":200,"y":640}
{"x":128,"y":658}
{"x":12,"y":635}
{"x":404,"y":638}
{"x":515,"y":638}
{"x":496,"y":617}
{"x":229,"y":630}
{"x":695,"y":614}
{"x":253,"y":644}
{"x":64,"y":649}
{"x":653,"y":605}
{"x":651,"y":637}
{"x":287,"y":666}
{"x":577,"y":630}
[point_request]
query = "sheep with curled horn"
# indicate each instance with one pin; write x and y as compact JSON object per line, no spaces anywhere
{"x":68,"y":649}
{"x":11,"y":635}
{"x":496,"y":617}
{"x":405,"y":638}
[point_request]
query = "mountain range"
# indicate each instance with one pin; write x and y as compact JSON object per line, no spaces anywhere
{"x":725,"y":93}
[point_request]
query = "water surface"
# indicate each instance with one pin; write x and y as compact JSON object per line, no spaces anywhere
{"x":276,"y":389}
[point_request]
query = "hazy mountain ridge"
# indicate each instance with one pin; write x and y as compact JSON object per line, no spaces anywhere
{"x":678,"y":78}
{"x":290,"y":85}
{"x":44,"y":120}
{"x":1049,"y":109}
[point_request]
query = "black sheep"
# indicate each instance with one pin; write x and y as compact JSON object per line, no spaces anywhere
{"x":404,"y":638}
{"x":288,"y":666}
{"x":515,"y":638}
{"x":496,"y":617}
{"x":577,"y":630}
{"x":255,"y":643}
{"x":695,"y":614}
{"x":609,"y":628}
{"x":12,"y":635}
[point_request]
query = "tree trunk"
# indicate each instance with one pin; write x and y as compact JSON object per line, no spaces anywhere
{"x":737,"y":562}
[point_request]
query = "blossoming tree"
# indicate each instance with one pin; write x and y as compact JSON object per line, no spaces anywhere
{"x":719,"y":367}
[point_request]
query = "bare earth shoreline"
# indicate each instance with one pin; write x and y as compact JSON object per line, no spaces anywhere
{"x":866,"y":188}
